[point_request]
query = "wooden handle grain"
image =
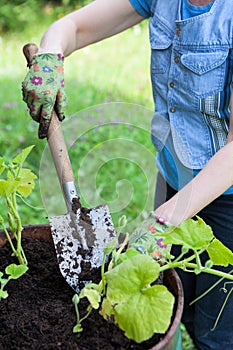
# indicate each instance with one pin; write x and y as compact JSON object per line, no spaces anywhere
{"x":55,"y":136}
{"x":59,"y":151}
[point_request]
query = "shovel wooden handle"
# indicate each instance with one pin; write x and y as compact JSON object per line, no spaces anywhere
{"x":55,"y":136}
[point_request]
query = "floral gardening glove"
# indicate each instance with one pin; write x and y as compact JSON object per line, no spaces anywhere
{"x":43,"y":90}
{"x":148,"y":238}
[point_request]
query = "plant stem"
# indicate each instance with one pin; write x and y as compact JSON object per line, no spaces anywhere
{"x":77,"y":312}
{"x":186,"y":265}
{"x":87,"y":314}
{"x":102,"y":272}
{"x":9,"y":239}
{"x":222,"y":308}
{"x":119,"y":251}
{"x":18,"y":231}
{"x":206,"y":292}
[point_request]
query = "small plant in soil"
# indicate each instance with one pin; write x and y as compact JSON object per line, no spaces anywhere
{"x":12,"y":271}
{"x":130,"y":292}
{"x":16,"y":182}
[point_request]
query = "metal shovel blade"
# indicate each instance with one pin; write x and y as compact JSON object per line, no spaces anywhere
{"x":80,"y":243}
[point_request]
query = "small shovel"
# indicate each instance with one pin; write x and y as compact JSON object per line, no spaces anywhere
{"x":80,"y":235}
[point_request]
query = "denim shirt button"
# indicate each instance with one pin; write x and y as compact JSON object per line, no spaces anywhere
{"x":177,"y":31}
{"x":176,"y":59}
{"x":172,"y":84}
{"x":173,"y":109}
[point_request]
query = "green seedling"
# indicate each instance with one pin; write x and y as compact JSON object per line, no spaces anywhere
{"x":13,"y":272}
{"x":128,"y":293}
{"x":15,"y":182}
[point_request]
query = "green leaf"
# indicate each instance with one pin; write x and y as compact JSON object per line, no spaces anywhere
{"x":3,"y":294}
{"x":122,"y":222}
{"x":219,"y":253}
{"x":16,"y":271}
{"x":139,"y":308}
{"x":131,"y":276}
{"x":26,"y":182}
{"x":92,"y":286}
{"x":8,"y":187}
{"x":145,"y":313}
{"x":192,"y":234}
{"x":21,"y":157}
{"x":77,"y":328}
{"x":131,"y":252}
{"x":93,"y":297}
{"x":106,"y":309}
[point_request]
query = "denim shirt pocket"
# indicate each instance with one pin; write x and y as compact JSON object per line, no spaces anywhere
{"x":161,"y":39}
{"x":204,"y":71}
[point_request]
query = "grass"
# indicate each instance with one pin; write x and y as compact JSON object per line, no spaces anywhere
{"x":107,"y":127}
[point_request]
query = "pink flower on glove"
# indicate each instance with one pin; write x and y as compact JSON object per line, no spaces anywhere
{"x":37,"y":80}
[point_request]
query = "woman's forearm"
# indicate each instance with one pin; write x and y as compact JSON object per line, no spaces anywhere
{"x":96,"y":21}
{"x":215,"y":178}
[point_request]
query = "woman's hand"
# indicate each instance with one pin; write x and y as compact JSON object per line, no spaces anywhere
{"x":43,"y":90}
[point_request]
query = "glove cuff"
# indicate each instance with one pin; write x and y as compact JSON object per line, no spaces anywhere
{"x":148,"y":237}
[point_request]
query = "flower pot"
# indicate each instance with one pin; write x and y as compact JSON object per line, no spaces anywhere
{"x":51,"y":315}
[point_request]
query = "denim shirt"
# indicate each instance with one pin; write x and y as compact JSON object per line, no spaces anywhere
{"x":191,"y":72}
{"x":188,"y":68}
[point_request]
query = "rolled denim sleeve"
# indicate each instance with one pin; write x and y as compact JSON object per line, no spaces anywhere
{"x":142,"y":6}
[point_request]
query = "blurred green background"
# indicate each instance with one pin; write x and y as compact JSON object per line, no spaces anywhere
{"x":107,"y":117}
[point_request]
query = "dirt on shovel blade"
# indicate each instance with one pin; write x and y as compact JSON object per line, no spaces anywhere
{"x":80,"y":240}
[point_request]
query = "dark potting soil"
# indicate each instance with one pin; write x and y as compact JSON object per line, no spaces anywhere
{"x":39,"y":313}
